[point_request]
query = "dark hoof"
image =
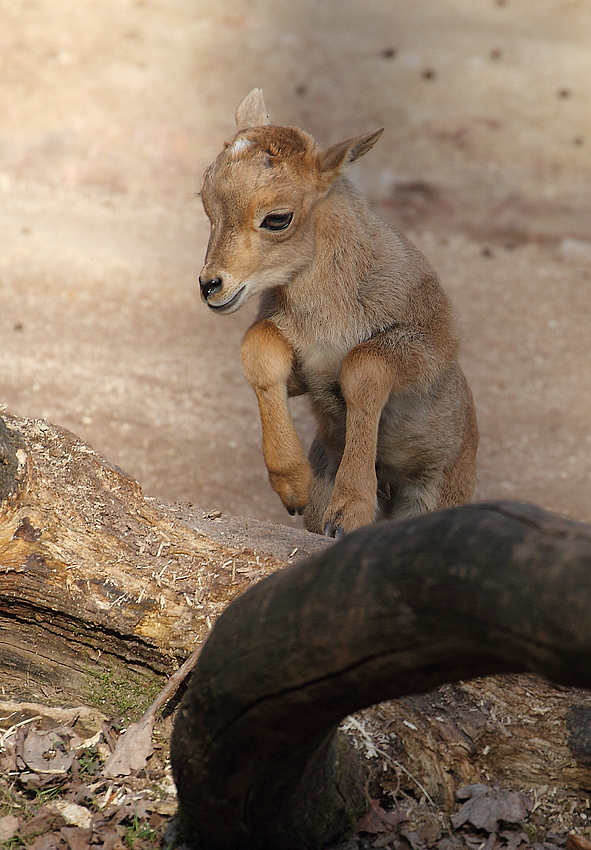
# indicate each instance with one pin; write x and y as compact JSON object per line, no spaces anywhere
{"x":331,"y":530}
{"x":290,"y":511}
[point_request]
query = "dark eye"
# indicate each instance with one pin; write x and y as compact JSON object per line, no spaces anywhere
{"x":277,"y":221}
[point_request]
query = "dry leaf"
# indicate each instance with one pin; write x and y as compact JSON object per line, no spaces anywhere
{"x":8,"y":759}
{"x":577,"y":842}
{"x":425,"y":836}
{"x":378,"y":819}
{"x":412,"y":836}
{"x":111,"y":836}
{"x":50,"y":841}
{"x":48,"y":752}
{"x":36,"y":781}
{"x":44,"y":821}
{"x":133,"y":749}
{"x":486,"y":807}
{"x":76,"y":838}
{"x":514,"y":839}
{"x":113,"y":842}
{"x":9,"y":826}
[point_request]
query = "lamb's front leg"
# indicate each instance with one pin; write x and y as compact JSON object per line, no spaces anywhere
{"x":268,"y":361}
{"x":366,"y":382}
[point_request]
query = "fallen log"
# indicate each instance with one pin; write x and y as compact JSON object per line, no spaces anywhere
{"x":391,"y":610}
{"x":103,"y":591}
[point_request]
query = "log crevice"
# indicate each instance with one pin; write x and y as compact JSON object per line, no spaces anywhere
{"x":86,"y":636}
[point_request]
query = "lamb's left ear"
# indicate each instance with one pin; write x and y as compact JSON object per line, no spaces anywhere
{"x":336,"y":156}
{"x":251,"y":111}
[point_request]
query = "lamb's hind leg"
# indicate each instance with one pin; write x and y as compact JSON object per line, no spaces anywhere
{"x":324,"y":469}
{"x":415,"y":497}
{"x":435,"y":489}
{"x":458,"y":485}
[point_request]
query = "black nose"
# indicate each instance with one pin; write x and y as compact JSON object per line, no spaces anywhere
{"x":210,"y":286}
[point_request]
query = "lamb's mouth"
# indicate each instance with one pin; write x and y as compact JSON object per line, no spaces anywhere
{"x":227,"y":305}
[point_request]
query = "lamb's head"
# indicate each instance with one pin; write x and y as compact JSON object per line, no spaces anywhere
{"x":260,"y":195}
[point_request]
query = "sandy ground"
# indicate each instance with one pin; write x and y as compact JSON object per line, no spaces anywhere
{"x":111,"y":110}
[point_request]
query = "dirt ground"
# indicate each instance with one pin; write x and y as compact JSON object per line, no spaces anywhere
{"x":110,"y":112}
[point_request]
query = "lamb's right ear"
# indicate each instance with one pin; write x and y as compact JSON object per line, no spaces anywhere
{"x":332,"y":159}
{"x":251,"y":111}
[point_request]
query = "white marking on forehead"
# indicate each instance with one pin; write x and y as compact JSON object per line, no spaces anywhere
{"x":240,"y":144}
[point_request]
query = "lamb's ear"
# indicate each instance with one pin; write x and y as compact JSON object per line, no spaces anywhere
{"x":251,"y":111}
{"x":332,"y":159}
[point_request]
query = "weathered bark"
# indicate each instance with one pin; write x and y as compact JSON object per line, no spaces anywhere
{"x":102,"y":590}
{"x":519,"y":730}
{"x":391,"y":610}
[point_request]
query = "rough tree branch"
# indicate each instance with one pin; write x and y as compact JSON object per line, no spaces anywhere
{"x":393,"y":609}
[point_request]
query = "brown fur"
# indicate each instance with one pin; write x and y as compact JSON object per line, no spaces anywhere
{"x":352,"y":314}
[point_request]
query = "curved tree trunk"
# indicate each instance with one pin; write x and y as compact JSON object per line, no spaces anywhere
{"x":393,"y":609}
